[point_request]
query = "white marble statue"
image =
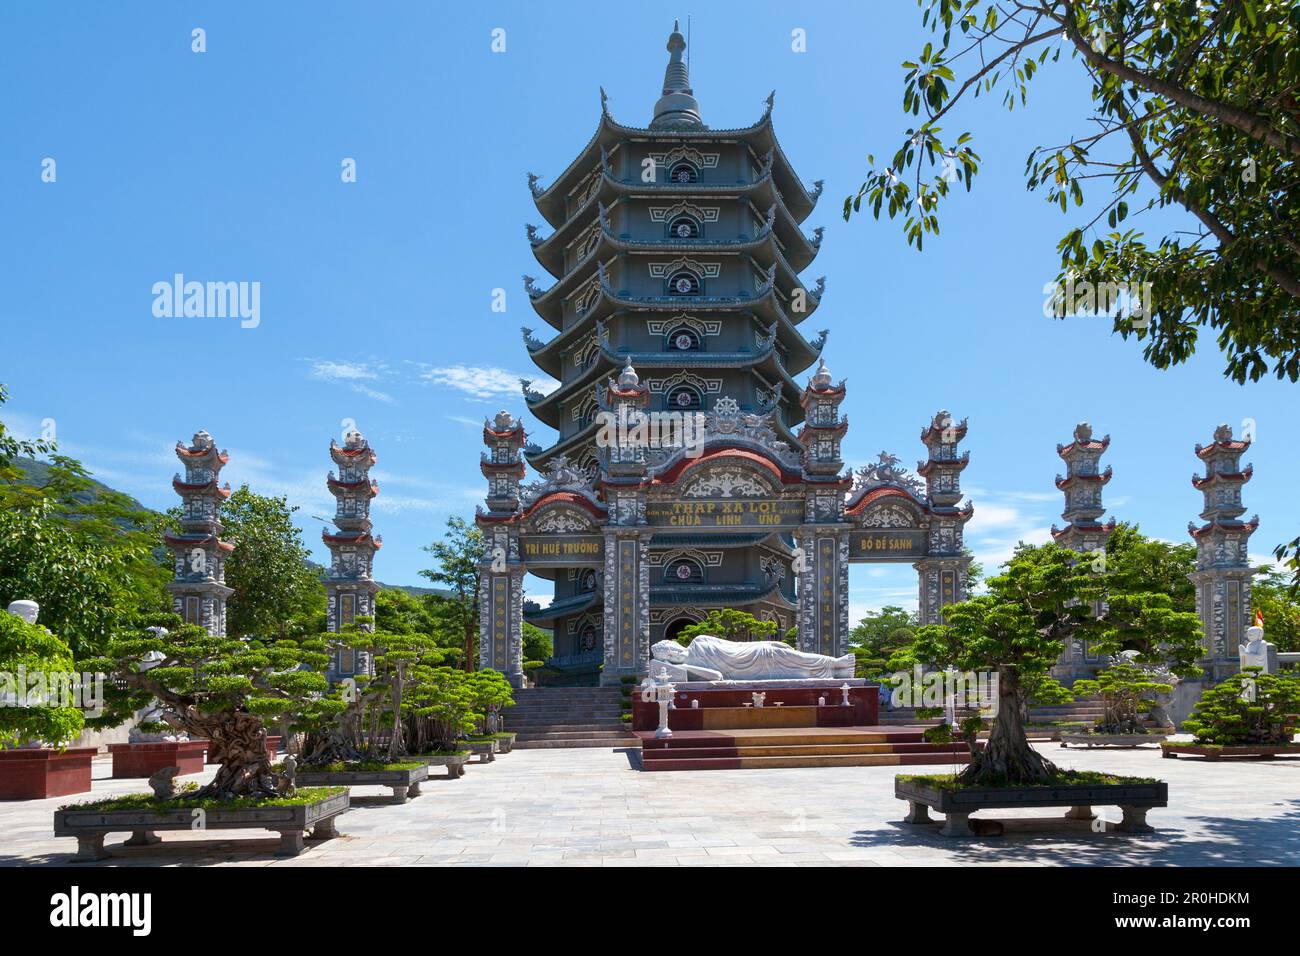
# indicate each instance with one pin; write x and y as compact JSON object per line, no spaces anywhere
{"x":712,"y":658}
{"x":27,"y":610}
{"x":1257,"y":652}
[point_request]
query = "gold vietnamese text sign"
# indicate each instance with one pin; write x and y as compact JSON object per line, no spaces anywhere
{"x":727,"y":513}
{"x":891,"y":545}
{"x":562,"y":549}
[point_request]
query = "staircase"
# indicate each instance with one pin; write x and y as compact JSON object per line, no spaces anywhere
{"x":1085,"y":710}
{"x":545,"y":717}
{"x":766,"y":748}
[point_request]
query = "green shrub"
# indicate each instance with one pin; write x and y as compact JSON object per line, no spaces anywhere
{"x":1248,"y":709}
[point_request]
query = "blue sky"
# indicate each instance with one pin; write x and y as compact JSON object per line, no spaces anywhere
{"x":375,"y":295}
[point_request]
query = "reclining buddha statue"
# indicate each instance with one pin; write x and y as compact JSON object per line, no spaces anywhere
{"x":713,"y":658}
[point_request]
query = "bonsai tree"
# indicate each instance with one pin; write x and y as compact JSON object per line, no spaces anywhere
{"x":491,"y":693}
{"x":1127,"y":693}
{"x":1250,"y":708}
{"x":731,"y":625}
{"x":442,"y":709}
{"x":1016,"y":630}
{"x":36,"y":676}
{"x":364,"y":718}
{"x":218,"y":688}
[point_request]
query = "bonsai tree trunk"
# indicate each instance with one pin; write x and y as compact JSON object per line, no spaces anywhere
{"x":397,"y":744}
{"x":239,"y":745}
{"x":1007,"y":756}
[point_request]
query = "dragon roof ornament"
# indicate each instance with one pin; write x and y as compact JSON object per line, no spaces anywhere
{"x":886,"y":471}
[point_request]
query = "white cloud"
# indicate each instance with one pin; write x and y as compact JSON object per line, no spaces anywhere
{"x":330,"y":371}
{"x":480,"y":381}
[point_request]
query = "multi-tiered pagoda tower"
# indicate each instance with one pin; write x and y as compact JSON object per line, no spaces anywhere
{"x":1083,"y":532}
{"x":1223,"y":571}
{"x":350,"y":585}
{"x":676,"y":251}
{"x":199,"y":591}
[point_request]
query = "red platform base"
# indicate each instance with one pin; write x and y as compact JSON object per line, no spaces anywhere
{"x":799,"y":707}
{"x":146,"y":759}
{"x":34,"y":774}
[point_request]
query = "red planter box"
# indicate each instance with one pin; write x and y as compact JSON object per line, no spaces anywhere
{"x":146,"y":759}
{"x":34,"y":774}
{"x":272,"y":749}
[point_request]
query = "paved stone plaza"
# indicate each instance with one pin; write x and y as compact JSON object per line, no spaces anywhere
{"x":589,"y":807}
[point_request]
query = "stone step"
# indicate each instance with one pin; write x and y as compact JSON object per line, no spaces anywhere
{"x":802,"y":750}
{"x":812,"y":760}
{"x":572,"y":732}
{"x":609,"y":743}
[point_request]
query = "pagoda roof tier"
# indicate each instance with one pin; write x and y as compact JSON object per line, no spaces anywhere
{"x":716,"y":595}
{"x":933,"y":432}
{"x":1090,"y":445}
{"x":1224,"y":477}
{"x":565,"y":497}
{"x":360,"y":539}
{"x":345,"y":488}
{"x":838,"y":429}
{"x":345,"y":457}
{"x":546,"y":407}
{"x":1070,"y":480}
{"x":764,"y":302}
{"x":1083,"y":528}
{"x":798,"y":248}
{"x":198,"y":455}
{"x":763,"y":255}
{"x":208,"y":489}
{"x":780,"y":472}
{"x":926,"y":467}
{"x":1227,"y":446}
{"x":492,"y":469}
{"x":552,"y":202}
{"x":1224,"y":526}
{"x":872,"y":495}
{"x":187,"y":541}
{"x":800,"y":352}
{"x":563,"y":607}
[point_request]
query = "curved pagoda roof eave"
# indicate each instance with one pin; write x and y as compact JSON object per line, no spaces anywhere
{"x":550,"y":202}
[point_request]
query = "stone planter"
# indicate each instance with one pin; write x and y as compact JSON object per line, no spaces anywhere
{"x":1207,"y":752}
{"x":146,"y":759}
{"x":1110,"y":740}
{"x":506,"y":744}
{"x":455,"y":763}
{"x":34,"y":773}
{"x":403,"y":783}
{"x":91,"y":826}
{"x":485,"y":750}
{"x":1133,"y":799}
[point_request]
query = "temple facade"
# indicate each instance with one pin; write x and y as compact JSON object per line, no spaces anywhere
{"x":199,"y":591}
{"x":349,"y":584}
{"x":690,"y":470}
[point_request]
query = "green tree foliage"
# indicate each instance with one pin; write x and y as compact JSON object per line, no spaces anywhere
{"x":1192,"y":107}
{"x":1150,"y":603}
{"x":731,"y":625}
{"x":458,"y":558}
{"x":277,"y":593}
{"x":1127,"y":693}
{"x":1017,"y":630}
{"x":1272,"y":595}
{"x":443,"y":711}
{"x":1250,"y":708}
{"x":490,"y":694}
{"x":220,"y":689}
{"x":538,"y":644}
{"x":36,"y":681}
{"x":880,"y":636}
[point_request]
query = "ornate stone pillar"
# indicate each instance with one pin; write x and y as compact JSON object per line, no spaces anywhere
{"x":823,"y":589}
{"x":942,"y":573}
{"x":501,"y":622}
{"x":1223,"y":571}
{"x":627,"y":604}
{"x":501,"y":573}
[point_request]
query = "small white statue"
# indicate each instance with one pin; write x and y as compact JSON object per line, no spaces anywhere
{"x":758,"y":697}
{"x":659,"y":690}
{"x":844,"y":692}
{"x":27,"y":610}
{"x":1257,"y":652}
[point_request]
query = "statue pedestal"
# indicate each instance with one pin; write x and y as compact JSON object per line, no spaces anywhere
{"x":707,"y":706}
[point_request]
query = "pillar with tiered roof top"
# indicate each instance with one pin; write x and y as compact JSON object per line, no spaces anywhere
{"x":199,"y":590}
{"x":1223,"y":570}
{"x":943,"y":573}
{"x":500,"y":595}
{"x":349,"y":584}
{"x":1083,"y":532}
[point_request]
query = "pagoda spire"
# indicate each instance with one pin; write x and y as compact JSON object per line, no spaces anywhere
{"x":198,"y":588}
{"x":677,"y":108}
{"x":349,"y":584}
